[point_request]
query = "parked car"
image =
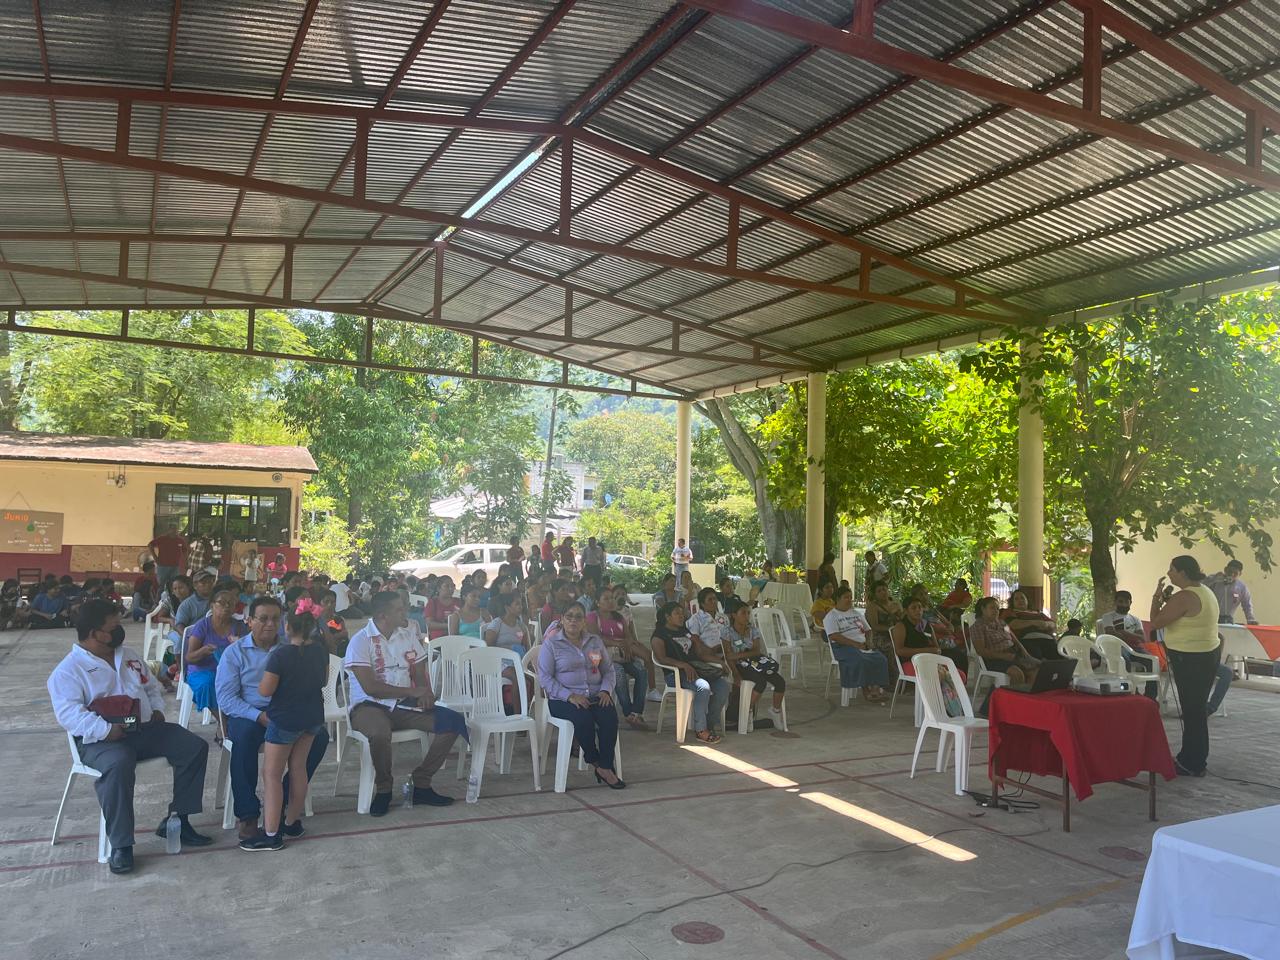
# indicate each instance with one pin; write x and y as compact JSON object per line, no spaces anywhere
{"x":458,"y":561}
{"x":626,"y":560}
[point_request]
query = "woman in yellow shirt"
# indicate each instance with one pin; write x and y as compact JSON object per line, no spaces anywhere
{"x":1189,"y":619}
{"x":823,"y":603}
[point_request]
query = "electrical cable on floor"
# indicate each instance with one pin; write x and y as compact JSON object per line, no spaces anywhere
{"x":798,"y":864}
{"x":1247,"y":783}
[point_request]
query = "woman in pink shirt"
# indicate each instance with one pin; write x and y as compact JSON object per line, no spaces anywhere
{"x":610,"y":626}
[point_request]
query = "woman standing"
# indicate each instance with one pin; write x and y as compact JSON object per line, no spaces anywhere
{"x":1189,"y":619}
{"x":208,"y":637}
{"x":577,"y":676}
{"x":748,"y":659}
{"x":610,"y":626}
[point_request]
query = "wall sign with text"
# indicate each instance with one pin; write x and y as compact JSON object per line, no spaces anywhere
{"x":30,"y":531}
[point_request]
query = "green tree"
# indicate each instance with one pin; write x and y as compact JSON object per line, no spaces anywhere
{"x":624,"y":449}
{"x":1164,"y":417}
{"x":128,"y":390}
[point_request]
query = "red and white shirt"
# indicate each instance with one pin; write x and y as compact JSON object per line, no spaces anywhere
{"x":391,"y":658}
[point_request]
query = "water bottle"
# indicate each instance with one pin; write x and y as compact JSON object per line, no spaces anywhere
{"x":173,"y":834}
{"x":407,"y":793}
{"x":473,"y":787}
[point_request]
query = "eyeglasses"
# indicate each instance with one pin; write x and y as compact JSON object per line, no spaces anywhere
{"x":572,"y":616}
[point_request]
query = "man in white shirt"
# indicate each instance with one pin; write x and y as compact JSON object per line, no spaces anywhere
{"x":390,"y":691}
{"x":850,"y":638}
{"x":99,"y":666}
{"x":343,"y":594}
{"x":681,"y":557}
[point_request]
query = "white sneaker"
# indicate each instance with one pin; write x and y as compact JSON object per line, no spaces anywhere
{"x":654,"y":695}
{"x":776,"y":716}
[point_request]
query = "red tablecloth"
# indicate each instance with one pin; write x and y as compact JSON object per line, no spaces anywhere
{"x":1097,"y":739}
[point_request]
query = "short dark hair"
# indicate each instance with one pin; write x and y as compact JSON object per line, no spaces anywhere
{"x":1234,"y":564}
{"x":732,"y":605}
{"x":94,"y":614}
{"x":669,"y":576}
{"x":148,"y":566}
{"x":383,"y":602}
{"x":704,"y":593}
{"x":263,"y":600}
{"x":1125,"y":594}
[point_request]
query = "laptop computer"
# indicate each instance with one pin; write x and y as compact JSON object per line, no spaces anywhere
{"x":1052,"y":675}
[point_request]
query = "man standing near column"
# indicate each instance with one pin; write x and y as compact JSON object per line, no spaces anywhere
{"x":681,"y":557}
{"x":1231,"y":593}
{"x":93,"y":689}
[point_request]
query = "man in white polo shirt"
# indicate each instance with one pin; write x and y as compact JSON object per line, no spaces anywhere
{"x":390,"y":691}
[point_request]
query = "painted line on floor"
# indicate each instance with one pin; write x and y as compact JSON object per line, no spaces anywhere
{"x":49,"y":866}
{"x":762,"y":912}
{"x":964,"y":946}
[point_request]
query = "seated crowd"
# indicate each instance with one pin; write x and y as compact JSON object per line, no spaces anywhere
{"x":259,"y":661}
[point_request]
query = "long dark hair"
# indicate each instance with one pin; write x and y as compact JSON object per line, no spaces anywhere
{"x":664,"y":613}
{"x":1188,"y":566}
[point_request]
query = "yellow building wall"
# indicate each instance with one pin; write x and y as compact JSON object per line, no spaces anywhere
{"x":1138,"y":572}
{"x":96,"y":511}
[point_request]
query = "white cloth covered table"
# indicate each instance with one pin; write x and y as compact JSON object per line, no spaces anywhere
{"x":788,"y":596}
{"x":1215,"y":883}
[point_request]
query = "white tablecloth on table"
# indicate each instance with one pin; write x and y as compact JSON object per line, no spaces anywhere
{"x":743,"y":589}
{"x":1215,"y":883}
{"x":789,"y":596}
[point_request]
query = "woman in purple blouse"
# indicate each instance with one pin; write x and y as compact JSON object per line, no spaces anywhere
{"x":575,"y":672}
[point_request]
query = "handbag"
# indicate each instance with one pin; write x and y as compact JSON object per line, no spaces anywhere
{"x":126,"y":711}
{"x":706,"y":669}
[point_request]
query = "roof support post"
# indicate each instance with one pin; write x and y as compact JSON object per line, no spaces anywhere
{"x":124,"y":322}
{"x":250,"y":335}
{"x":287,"y":282}
{"x":731,"y":241}
{"x":568,"y":312}
{"x":1030,"y":483}
{"x":1091,"y":62}
{"x":439,"y":283}
{"x":360,"y":173}
{"x":1253,"y":133}
{"x":124,"y":258}
{"x":475,"y":356}
{"x":815,"y":476}
{"x":124,"y":113}
{"x":566,"y":187}
{"x":684,"y":472}
{"x":864,"y":18}
{"x":368,"y":339}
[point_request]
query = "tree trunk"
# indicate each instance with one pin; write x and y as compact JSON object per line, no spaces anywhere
{"x":778,"y":526}
{"x":1101,"y":566}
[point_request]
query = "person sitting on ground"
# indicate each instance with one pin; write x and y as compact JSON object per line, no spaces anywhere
{"x":439,"y":607}
{"x":85,"y":688}
{"x":913,"y":634}
{"x":883,"y":612}
{"x":206,"y":642}
{"x":244,"y":712}
{"x":468,"y":620}
{"x":996,"y":644}
{"x":293,"y":679}
{"x":748,"y":659}
{"x":1035,"y":631}
{"x":576,"y":674}
{"x":610,"y":626}
{"x":959,"y":597}
{"x":196,"y":605}
{"x":13,"y":606}
{"x":823,"y":603}
{"x":849,"y":634}
{"x":673,"y":646}
{"x":50,"y":610}
{"x":391,"y":690}
{"x":667,"y":591}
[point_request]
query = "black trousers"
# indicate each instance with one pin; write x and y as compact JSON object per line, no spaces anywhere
{"x":116,"y":760}
{"x":1194,"y":675}
{"x":595,"y":727}
{"x":773,"y":678}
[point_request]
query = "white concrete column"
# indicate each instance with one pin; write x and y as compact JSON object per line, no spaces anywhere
{"x":1030,"y":490}
{"x":815,"y":479}
{"x":684,"y":460}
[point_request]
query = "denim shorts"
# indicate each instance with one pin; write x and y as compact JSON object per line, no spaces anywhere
{"x":278,"y":734}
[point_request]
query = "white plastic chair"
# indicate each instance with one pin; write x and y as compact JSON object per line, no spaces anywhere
{"x":186,"y":697}
{"x":906,"y":675}
{"x":222,"y":793}
{"x":152,"y":634}
{"x":962,"y":728}
{"x":683,"y":699}
{"x":776,"y":634}
{"x":1078,"y":649}
{"x":364,"y":795}
{"x":483,"y":669}
{"x":335,"y":702}
{"x":563,"y":729}
{"x":746,"y":718}
{"x":1109,"y":648}
{"x":81,"y":769}
{"x":447,"y":679}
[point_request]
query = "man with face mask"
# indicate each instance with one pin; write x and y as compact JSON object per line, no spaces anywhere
{"x":99,"y":666}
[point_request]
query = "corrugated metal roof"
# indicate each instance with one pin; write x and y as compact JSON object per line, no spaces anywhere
{"x":167,"y":453}
{"x":1023,"y":208}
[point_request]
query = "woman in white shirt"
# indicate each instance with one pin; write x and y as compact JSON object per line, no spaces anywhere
{"x":850,"y":637}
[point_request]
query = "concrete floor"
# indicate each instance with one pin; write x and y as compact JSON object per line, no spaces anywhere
{"x":595,"y":873}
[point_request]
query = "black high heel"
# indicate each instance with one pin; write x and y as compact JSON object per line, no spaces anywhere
{"x":616,"y":785}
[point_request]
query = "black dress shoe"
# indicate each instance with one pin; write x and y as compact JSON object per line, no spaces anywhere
{"x":188,"y":833}
{"x":429,"y":797}
{"x":380,"y":805}
{"x":121,"y":860}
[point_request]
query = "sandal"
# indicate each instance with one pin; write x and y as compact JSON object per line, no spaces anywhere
{"x":706,"y":736}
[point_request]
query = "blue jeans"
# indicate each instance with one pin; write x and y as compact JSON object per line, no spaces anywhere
{"x":632,"y":702}
{"x":707,"y":704}
{"x":595,"y":727}
{"x":1225,"y":676}
{"x":248,"y":736}
{"x":861,"y":668}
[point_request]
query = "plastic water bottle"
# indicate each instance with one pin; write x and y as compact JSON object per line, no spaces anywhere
{"x":173,"y":834}
{"x":407,"y":793}
{"x":473,"y":787}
